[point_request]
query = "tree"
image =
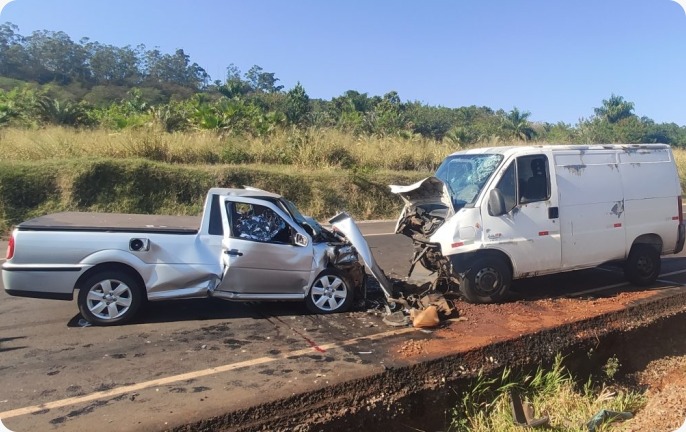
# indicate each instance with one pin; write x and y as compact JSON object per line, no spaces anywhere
{"x":55,"y":57}
{"x":615,"y":109}
{"x":262,"y":81}
{"x":113,"y":65}
{"x":13,"y":56}
{"x":516,"y":125}
{"x":297,"y":105}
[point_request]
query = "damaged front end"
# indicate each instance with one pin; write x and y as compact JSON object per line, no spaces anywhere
{"x":421,"y":308}
{"x":343,"y":257}
{"x":428,"y":205}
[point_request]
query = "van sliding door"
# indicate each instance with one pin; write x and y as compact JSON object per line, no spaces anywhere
{"x":591,"y":207}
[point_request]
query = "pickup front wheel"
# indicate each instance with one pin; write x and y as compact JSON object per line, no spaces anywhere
{"x":109,"y":298}
{"x":331,"y":292}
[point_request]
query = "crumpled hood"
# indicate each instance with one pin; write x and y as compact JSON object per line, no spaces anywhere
{"x":344,"y":224}
{"x":430,"y":190}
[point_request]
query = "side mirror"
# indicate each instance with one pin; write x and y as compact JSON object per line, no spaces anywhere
{"x":300,"y":240}
{"x":496,"y":203}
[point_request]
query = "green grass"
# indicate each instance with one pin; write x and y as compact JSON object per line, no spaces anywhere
{"x":29,"y":189}
{"x":553,"y":391}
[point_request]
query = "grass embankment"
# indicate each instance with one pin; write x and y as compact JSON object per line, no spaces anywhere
{"x":150,"y":171}
{"x":553,"y":392}
{"x":29,"y":189}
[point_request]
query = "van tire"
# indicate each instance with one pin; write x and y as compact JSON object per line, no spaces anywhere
{"x":643,"y":265}
{"x":487,"y":280}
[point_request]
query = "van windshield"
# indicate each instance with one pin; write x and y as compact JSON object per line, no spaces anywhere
{"x":466,"y":174}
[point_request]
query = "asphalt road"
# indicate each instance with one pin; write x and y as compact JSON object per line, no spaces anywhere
{"x":186,"y":360}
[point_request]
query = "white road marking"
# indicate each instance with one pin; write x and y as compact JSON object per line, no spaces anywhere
{"x":606,"y":287}
{"x":378,"y":234}
{"x":193,"y":375}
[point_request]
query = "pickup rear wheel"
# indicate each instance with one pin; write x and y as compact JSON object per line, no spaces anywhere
{"x":110,"y":298}
{"x":487,"y":280}
{"x":331,"y":292}
{"x":643,"y":265}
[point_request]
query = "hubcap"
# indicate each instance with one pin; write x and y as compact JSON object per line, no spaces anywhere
{"x":329,"y":293}
{"x":488,"y":280}
{"x":109,"y":299}
{"x":644,"y":265}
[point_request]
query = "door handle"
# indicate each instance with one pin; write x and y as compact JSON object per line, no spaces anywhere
{"x":233,"y":252}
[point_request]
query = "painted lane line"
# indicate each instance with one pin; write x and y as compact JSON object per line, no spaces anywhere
{"x":193,"y":375}
{"x":378,"y":234}
{"x":602,"y":288}
{"x":606,"y":287}
{"x":673,"y":273}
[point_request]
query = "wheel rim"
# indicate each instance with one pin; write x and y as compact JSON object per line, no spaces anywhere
{"x":109,"y":299}
{"x":644,"y":265}
{"x":329,"y":293}
{"x":488,"y":281}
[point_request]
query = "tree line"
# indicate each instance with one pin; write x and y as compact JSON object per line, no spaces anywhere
{"x":47,"y":78}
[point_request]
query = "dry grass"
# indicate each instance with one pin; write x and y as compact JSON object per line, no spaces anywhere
{"x":319,"y":148}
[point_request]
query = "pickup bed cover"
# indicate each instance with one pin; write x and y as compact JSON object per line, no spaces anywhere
{"x":84,"y":221}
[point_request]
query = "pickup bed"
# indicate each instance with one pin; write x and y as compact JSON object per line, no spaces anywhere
{"x":248,"y":244}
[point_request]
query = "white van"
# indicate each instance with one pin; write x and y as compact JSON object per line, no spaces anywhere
{"x":492,"y":215}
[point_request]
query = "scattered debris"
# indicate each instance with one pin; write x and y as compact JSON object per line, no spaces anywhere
{"x":83,"y":323}
{"x":396,"y":319}
{"x":523,"y":412}
{"x":411,"y":348}
{"x":605,"y":416}
{"x":426,"y":318}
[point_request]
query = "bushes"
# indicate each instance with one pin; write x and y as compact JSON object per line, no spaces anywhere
{"x":29,"y":189}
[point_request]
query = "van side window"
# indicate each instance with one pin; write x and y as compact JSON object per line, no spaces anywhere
{"x":257,"y":223}
{"x":534,"y":178}
{"x":508,"y":187}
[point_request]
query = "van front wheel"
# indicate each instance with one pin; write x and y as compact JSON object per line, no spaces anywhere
{"x":487,"y":280}
{"x":642,"y":267}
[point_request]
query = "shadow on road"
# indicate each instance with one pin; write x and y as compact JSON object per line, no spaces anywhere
{"x":206,"y":309}
{"x":10,"y":339}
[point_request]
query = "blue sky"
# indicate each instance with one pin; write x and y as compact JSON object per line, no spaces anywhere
{"x":556,"y":59}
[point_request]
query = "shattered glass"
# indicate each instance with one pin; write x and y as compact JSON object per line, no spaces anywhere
{"x":262,"y":225}
{"x":466,"y":175}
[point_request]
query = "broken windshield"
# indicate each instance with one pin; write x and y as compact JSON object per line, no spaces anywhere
{"x":466,"y":174}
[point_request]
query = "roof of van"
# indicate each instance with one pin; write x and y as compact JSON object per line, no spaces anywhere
{"x":562,"y":147}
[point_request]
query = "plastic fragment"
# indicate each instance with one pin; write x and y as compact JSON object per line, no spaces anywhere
{"x":604,"y":416}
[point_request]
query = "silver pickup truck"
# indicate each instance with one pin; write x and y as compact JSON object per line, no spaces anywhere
{"x":248,"y":244}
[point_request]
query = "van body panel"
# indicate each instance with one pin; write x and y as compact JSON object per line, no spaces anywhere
{"x":591,"y":207}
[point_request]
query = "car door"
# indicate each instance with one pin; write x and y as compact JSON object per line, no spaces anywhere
{"x":263,"y":251}
{"x":529,"y":231}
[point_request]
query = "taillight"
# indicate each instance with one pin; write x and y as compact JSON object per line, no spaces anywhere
{"x":681,"y":211}
{"x":10,"y":248}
